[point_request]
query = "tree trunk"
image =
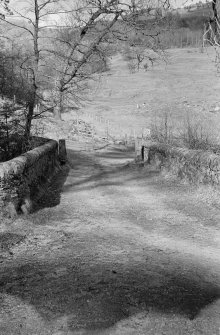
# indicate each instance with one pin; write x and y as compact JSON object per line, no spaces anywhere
{"x":57,"y":113}
{"x":59,"y":107}
{"x":216,"y":12}
{"x":29,"y":119}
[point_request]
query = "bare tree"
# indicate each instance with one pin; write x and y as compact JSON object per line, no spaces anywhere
{"x":32,"y":64}
{"x":215,"y":19}
{"x":95,"y":24}
{"x":65,"y":66}
{"x":211,"y":35}
{"x":143,"y":50}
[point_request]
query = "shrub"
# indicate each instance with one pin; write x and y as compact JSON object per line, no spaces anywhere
{"x":162,"y":131}
{"x":191,"y":134}
{"x":195,"y":136}
{"x":10,"y":138}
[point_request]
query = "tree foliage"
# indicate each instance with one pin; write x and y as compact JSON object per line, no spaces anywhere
{"x":10,"y":130}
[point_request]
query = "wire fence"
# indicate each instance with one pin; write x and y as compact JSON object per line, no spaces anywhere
{"x":113,"y":131}
{"x":109,"y":132}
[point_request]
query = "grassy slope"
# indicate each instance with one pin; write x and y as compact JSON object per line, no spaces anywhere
{"x":187,"y":84}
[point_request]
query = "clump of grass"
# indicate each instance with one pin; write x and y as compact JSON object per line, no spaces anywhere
{"x":190,"y":134}
{"x":163,"y":130}
{"x":195,"y":136}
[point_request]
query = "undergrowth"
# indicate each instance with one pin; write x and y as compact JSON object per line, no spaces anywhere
{"x":188,"y":133}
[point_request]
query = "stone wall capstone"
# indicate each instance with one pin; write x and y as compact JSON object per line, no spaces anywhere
{"x":21,"y":177}
{"x":195,"y":166}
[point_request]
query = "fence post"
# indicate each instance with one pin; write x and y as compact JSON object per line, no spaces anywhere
{"x":134,"y":133}
{"x":62,"y":151}
{"x":181,"y":41}
{"x":108,"y":129}
{"x":126,"y":139}
{"x":93,"y":133}
{"x":136,"y":147}
{"x":142,"y":138}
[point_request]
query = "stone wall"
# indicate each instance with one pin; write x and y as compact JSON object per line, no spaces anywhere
{"x":21,"y":177}
{"x":195,"y":166}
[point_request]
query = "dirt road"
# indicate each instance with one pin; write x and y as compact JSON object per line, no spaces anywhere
{"x":112,"y":249}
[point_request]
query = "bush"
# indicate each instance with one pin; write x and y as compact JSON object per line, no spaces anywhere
{"x":196,"y":137}
{"x":162,"y":131}
{"x":98,"y":63}
{"x":192,"y":135}
{"x":11,"y":141}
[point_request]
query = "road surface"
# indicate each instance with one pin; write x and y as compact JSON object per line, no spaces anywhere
{"x":111,"y":249}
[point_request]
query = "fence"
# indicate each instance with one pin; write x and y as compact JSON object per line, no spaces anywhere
{"x":90,"y":130}
{"x":111,"y":130}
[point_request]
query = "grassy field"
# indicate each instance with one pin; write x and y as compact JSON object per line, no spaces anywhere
{"x":186,"y":85}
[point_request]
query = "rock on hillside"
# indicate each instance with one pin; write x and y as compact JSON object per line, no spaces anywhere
{"x":55,"y":129}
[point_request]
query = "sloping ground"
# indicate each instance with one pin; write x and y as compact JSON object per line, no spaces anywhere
{"x":112,"y":249}
{"x":186,"y":86}
{"x":55,"y":129}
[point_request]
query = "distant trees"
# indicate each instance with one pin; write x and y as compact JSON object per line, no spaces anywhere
{"x":140,"y":52}
{"x":168,"y":29}
{"x":194,"y":21}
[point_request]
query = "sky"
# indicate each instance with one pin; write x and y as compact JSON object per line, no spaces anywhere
{"x":178,"y":3}
{"x":20,"y":5}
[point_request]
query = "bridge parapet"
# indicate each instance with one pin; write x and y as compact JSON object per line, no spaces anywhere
{"x":195,"y":166}
{"x":21,"y":177}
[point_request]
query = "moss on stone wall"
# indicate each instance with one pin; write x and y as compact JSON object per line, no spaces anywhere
{"x":20,"y":177}
{"x":196,"y":166}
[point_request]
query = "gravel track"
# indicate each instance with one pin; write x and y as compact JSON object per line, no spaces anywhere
{"x":111,"y":249}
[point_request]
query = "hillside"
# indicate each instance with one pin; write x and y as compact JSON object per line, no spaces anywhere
{"x":187,"y":85}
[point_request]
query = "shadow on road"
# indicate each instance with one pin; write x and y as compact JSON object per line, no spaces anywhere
{"x":72,"y":278}
{"x":89,"y":173}
{"x":97,"y":296}
{"x":51,"y":194}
